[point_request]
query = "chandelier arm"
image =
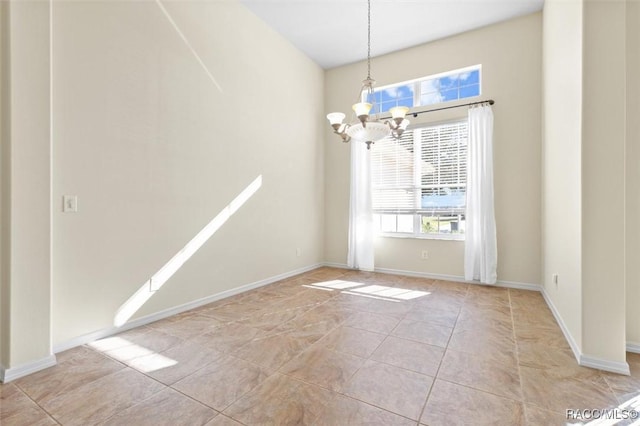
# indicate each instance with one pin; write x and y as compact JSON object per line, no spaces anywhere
{"x":362,"y":89}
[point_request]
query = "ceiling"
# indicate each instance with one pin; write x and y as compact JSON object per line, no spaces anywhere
{"x":334,"y":32}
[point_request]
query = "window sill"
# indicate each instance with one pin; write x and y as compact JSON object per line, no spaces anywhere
{"x":445,"y":237}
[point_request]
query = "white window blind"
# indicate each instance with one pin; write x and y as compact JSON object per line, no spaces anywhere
{"x":393,"y":174}
{"x":419,"y":180}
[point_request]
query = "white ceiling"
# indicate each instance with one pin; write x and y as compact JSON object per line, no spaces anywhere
{"x":334,"y":32}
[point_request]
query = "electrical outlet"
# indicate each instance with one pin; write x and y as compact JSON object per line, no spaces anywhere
{"x":554,"y":278}
{"x":424,"y":255}
{"x":69,"y":203}
{"x":298,"y":251}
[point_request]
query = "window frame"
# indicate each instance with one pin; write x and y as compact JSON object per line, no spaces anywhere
{"x":417,"y":93}
{"x":418,"y":212}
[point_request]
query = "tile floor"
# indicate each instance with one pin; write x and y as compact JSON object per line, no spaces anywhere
{"x":329,"y":347}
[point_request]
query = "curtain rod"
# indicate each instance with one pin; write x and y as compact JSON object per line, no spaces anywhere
{"x":415,"y":114}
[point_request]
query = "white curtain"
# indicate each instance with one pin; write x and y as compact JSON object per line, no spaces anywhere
{"x":360,"y":254}
{"x":480,"y":249}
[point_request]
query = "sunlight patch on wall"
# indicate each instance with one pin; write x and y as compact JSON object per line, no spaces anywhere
{"x":186,"y":41}
{"x":144,"y":293}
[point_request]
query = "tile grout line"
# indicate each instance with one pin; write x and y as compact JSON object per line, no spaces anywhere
{"x":613,"y":392}
{"x":517,"y":348}
{"x":341,"y":391}
{"x":424,"y":406}
{"x":36,"y":403}
{"x":502,"y":396}
{"x":166,"y":386}
{"x":389,"y":334}
{"x":321,"y":342}
{"x":483,"y":390}
{"x":524,"y":401}
{"x":142,"y":400}
{"x":84,"y":384}
{"x":277,"y":371}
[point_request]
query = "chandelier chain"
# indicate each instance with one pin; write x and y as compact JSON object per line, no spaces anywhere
{"x":368,"y":128}
{"x":369,"y":39}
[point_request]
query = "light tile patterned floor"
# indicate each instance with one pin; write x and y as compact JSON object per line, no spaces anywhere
{"x":329,"y":347}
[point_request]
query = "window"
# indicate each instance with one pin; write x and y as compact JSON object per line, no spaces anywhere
{"x":449,"y":86}
{"x":419,"y":182}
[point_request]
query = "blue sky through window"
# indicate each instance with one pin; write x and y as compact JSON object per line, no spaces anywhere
{"x":446,"y":87}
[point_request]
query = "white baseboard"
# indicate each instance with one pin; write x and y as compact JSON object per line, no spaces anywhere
{"x":456,"y":278}
{"x":567,"y":334}
{"x":100,"y":334}
{"x":583,"y":359}
{"x":420,"y":274}
{"x":516,"y":285}
{"x":7,"y":375}
{"x":13,"y":373}
{"x":336,"y":265}
{"x":603,"y":364}
{"x":633,"y":347}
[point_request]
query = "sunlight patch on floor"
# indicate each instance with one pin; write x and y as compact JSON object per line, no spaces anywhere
{"x":626,"y":413}
{"x":141,"y":358}
{"x":380,"y":292}
{"x":335,"y":284}
{"x":392,"y":292}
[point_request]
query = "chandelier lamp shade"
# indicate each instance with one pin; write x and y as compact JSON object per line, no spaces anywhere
{"x":368,"y":127}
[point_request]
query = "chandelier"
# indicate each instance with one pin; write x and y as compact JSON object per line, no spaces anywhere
{"x":369,"y":128}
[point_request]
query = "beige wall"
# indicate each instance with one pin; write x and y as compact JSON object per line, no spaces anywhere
{"x":632,"y":233}
{"x":148,"y":140}
{"x":603,"y":198}
{"x":4,"y":144}
{"x":26,"y":157}
{"x":510,"y":54}
{"x":588,"y":140}
{"x":154,"y":145}
{"x":562,"y":179}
